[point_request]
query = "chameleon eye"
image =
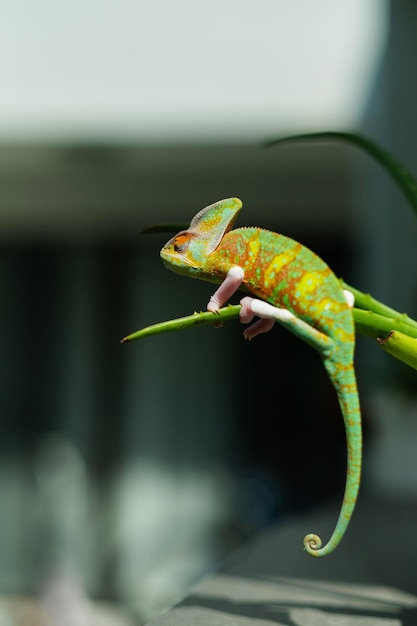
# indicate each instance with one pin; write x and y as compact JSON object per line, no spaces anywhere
{"x":181,"y":243}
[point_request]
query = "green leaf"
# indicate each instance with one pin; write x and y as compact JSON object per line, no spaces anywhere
{"x":397,"y":170}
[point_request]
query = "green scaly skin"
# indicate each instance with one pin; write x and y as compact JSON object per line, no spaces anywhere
{"x":291,"y":278}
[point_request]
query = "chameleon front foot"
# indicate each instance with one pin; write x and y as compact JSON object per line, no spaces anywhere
{"x":312,"y":545}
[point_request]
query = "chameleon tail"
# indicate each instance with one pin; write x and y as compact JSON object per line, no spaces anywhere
{"x":344,"y":381}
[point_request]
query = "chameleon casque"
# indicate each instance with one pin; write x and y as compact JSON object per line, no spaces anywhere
{"x":292,"y":286}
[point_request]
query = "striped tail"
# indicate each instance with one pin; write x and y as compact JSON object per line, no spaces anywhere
{"x":344,"y":381}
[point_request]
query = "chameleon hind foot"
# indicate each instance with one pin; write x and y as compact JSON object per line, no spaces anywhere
{"x":350,"y":298}
{"x":268,"y":314}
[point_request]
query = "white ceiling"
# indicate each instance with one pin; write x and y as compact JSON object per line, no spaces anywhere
{"x":161,"y":70}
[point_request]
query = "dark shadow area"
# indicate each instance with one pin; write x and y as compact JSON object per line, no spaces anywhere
{"x":304,"y":602}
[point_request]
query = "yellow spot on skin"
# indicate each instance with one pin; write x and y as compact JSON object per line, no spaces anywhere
{"x":342,"y":335}
{"x":328,"y":304}
{"x":308,"y":284}
{"x":254,"y":247}
{"x":278,"y":262}
{"x":252,"y":256}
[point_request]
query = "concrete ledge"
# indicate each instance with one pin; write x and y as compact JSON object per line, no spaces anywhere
{"x":348,"y":588}
{"x":226,"y":600}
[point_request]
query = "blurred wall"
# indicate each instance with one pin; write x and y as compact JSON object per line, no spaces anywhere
{"x":132,"y":469}
{"x":387,"y":259}
{"x":137,"y":466}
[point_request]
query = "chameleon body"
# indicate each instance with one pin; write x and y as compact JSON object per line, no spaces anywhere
{"x":293,"y":286}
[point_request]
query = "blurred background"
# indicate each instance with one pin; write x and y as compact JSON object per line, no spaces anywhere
{"x":128,"y":471}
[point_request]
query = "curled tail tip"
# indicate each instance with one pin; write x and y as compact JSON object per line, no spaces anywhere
{"x":313,"y":546}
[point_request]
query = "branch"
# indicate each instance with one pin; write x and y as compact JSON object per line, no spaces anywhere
{"x":395,"y":332}
{"x":189,"y":321}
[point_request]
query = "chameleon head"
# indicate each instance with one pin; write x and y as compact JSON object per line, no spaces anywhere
{"x":188,"y":250}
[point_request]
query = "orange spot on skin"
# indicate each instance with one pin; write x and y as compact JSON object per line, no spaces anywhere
{"x":181,"y":239}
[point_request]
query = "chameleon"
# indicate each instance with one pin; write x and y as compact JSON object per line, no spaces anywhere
{"x":289,"y":284}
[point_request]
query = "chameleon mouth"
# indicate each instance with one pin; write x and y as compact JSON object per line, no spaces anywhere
{"x":173,"y":263}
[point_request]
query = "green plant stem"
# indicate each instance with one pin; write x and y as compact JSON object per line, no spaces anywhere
{"x":367,"y":323}
{"x":395,"y":332}
{"x":368,"y":303}
{"x":377,"y":326}
{"x":189,"y":321}
{"x":401,"y":347}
